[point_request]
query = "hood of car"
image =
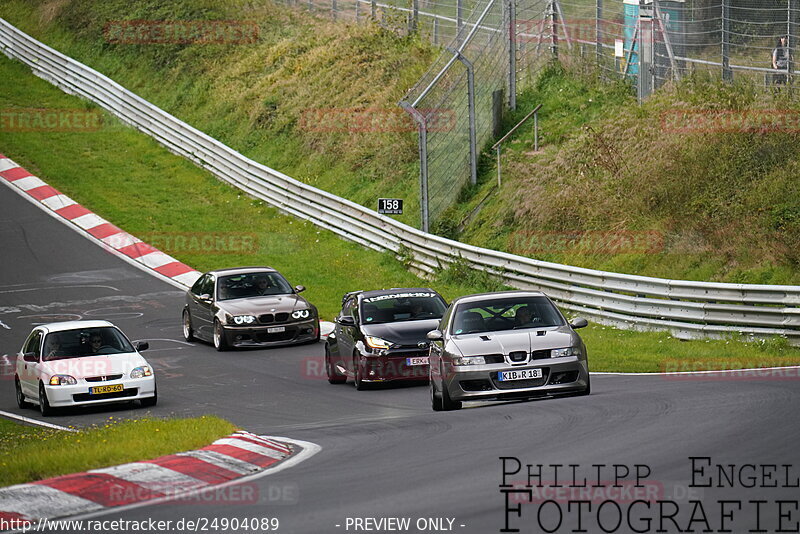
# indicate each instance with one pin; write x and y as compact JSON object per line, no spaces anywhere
{"x":402,"y":332}
{"x":503,"y":342}
{"x":266,"y":304}
{"x":99,"y":365}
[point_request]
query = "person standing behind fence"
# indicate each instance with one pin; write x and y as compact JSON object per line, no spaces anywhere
{"x":780,"y":60}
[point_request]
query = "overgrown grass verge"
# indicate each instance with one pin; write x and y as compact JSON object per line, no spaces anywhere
{"x":127,"y":178}
{"x":32,"y":453}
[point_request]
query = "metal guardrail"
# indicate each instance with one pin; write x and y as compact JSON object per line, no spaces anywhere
{"x":686,"y":308}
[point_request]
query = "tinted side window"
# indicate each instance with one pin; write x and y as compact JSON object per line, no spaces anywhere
{"x":198,"y":284}
{"x":34,"y":343}
{"x":207,"y":285}
{"x":349,"y":306}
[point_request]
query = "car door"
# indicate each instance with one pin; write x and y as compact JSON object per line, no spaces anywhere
{"x":344,"y":333}
{"x":28,"y":372}
{"x":201,"y":303}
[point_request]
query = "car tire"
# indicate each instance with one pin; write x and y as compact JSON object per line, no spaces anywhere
{"x":188,"y":333}
{"x":44,"y":404}
{"x":21,"y":402}
{"x":449,"y":404}
{"x":149,"y":402}
{"x":330,"y":369}
{"x":588,"y":390}
{"x":219,"y":337}
{"x":358,"y":381}
{"x":436,"y":398}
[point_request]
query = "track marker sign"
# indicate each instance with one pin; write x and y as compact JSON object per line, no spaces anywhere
{"x":390,"y":206}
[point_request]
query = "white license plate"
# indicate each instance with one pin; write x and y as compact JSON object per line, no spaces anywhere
{"x":422,"y":360}
{"x":276,"y":329}
{"x":522,"y":374}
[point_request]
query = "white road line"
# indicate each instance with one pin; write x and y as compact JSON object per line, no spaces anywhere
{"x":37,"y":422}
{"x":673,"y":373}
{"x":4,"y":325}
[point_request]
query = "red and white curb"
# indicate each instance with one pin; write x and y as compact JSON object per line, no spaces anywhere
{"x":96,"y":229}
{"x":228,"y":461}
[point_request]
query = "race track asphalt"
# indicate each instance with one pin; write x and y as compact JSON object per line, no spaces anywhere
{"x":384,"y":452}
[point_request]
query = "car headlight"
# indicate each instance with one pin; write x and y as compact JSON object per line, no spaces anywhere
{"x":377,"y":343}
{"x":243,"y":319}
{"x":469,"y":360}
{"x":301,"y":314}
{"x":141,"y":372}
{"x":569,"y":351}
{"x":62,"y":380}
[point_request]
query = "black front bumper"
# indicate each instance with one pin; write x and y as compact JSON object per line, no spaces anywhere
{"x":260,"y":336}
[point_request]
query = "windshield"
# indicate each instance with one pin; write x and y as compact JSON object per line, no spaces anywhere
{"x":505,"y":314}
{"x":238,"y":286}
{"x":85,"y":342}
{"x":413,"y":306}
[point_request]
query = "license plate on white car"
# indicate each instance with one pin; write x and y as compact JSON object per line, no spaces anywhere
{"x":521,"y":374}
{"x":276,"y":329}
{"x":421,"y":360}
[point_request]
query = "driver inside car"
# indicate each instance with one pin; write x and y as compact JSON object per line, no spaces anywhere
{"x":523,"y":316}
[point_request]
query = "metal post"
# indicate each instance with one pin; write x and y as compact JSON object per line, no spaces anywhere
{"x":791,"y":9}
{"x":727,"y":74}
{"x":333,"y":9}
{"x":436,"y":30}
{"x":646,"y":52}
{"x":374,"y":7}
{"x":536,"y":129}
{"x":459,"y":15}
{"x":499,"y":183}
{"x":358,"y":5}
{"x":598,"y":32}
{"x":414,"y":16}
{"x":473,"y":145}
{"x":512,"y":54}
{"x":423,"y":163}
{"x":554,"y":29}
{"x":310,"y":5}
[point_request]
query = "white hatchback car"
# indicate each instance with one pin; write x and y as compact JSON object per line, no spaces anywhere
{"x":79,"y":363}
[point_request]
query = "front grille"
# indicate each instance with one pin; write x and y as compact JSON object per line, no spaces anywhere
{"x":281,"y":317}
{"x":540,"y":354}
{"x":103,"y":378}
{"x":476,"y":385}
{"x":494,"y":358}
{"x":518,"y":356}
{"x":516,"y":384}
{"x":266,"y":318}
{"x":83,"y":397}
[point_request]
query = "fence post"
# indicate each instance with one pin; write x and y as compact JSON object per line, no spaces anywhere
{"x":473,"y":145}
{"x":374,"y":8}
{"x":790,"y":10}
{"x":459,"y":15}
{"x":598,"y":33}
{"x":414,"y":21}
{"x":646,"y":52}
{"x":422,"y":126}
{"x":333,"y":9}
{"x":554,"y":25}
{"x":727,"y":74}
{"x":358,"y":5}
{"x":436,"y":31}
{"x":512,"y":54}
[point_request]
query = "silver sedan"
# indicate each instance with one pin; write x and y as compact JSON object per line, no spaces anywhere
{"x":505,"y":345}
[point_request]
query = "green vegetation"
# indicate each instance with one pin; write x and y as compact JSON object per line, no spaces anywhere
{"x":130,"y":180}
{"x":32,"y":453}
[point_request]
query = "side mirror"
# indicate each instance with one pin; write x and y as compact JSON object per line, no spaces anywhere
{"x":142,"y":345}
{"x":346,"y":320}
{"x":578,"y":322}
{"x":299,"y":289}
{"x":205,"y":296}
{"x":435,"y":335}
{"x":30,"y":357}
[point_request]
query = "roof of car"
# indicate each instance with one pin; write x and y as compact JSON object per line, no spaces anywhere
{"x":73,"y":325}
{"x":394,"y":291}
{"x":497,"y":295}
{"x":242,"y":270}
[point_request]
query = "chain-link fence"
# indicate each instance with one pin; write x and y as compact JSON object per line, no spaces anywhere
{"x":493,"y":48}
